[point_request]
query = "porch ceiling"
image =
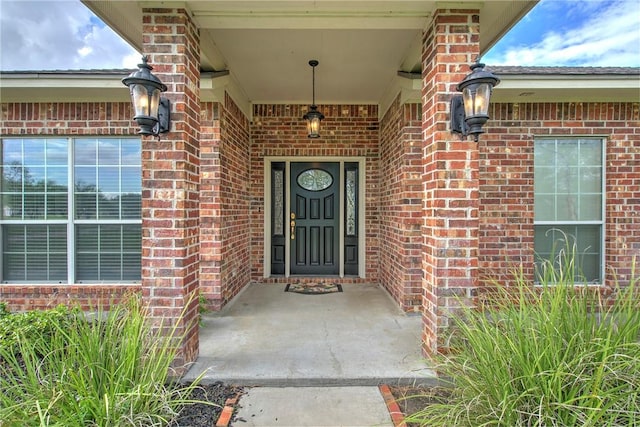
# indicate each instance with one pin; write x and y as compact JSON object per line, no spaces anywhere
{"x":266,"y":45}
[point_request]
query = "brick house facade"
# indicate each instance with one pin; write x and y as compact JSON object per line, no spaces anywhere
{"x":439,"y":216}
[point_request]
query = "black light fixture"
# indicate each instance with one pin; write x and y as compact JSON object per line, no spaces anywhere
{"x":313,"y":116}
{"x":151,"y":110}
{"x":469,"y":111}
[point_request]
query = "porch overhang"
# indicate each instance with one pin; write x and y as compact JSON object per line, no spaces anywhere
{"x":266,"y":45}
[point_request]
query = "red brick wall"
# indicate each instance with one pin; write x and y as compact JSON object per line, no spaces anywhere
{"x":170,"y":180}
{"x":347,"y":130}
{"x":210,"y":204}
{"x":235,"y":186}
{"x":506,"y":180}
{"x":62,"y":119}
{"x":225,"y":229}
{"x":450,"y":179}
{"x":401,"y":204}
{"x":67,"y":118}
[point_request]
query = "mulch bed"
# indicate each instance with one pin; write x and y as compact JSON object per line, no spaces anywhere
{"x":409,"y":400}
{"x":205,"y":415}
{"x":413,"y":399}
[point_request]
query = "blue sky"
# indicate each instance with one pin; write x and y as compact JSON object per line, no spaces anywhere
{"x":573,"y":33}
{"x":64,"y":35}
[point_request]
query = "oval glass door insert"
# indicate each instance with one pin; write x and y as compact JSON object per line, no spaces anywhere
{"x":315,"y":179}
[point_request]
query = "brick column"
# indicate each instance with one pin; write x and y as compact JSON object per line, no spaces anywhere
{"x":170,"y":246}
{"x":450,"y":176}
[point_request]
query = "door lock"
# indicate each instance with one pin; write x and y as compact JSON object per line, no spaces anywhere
{"x":293,"y":226}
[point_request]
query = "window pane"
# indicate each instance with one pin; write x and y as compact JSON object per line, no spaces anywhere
{"x":85,"y":179}
{"x":34,"y":179}
{"x":32,"y":171}
{"x":108,"y":252}
{"x":87,"y":267}
{"x":544,"y":206}
{"x":12,"y":206}
{"x":85,"y":152}
{"x":109,"y":152}
{"x":583,"y":241}
{"x":12,"y":152}
{"x":591,"y":180}
{"x":57,"y":178}
{"x":109,"y":180}
{"x":576,"y":181}
{"x":34,"y":252}
{"x":110,"y":238}
{"x":569,"y":192}
{"x":131,"y":179}
{"x":545,"y":181}
{"x":57,"y":153}
{"x":12,"y":177}
{"x":34,"y":150}
{"x":590,"y":153}
{"x":108,"y":206}
{"x":545,"y":153}
{"x":131,"y":206}
{"x":590,"y":207}
{"x":33,"y":206}
{"x":86,"y":206}
{"x":35,"y":189}
{"x":57,"y":206}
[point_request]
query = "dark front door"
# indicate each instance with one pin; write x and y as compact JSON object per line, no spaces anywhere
{"x":314,"y":218}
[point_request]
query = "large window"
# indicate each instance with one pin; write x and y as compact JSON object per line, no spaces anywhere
{"x":568,"y":178}
{"x":71,"y":209}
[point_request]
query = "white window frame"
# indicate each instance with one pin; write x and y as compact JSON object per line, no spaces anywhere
{"x":71,"y":222}
{"x":602,"y":222}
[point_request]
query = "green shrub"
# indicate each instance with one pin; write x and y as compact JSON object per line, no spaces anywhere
{"x":555,"y":354}
{"x":109,"y":371}
{"x":31,"y":325}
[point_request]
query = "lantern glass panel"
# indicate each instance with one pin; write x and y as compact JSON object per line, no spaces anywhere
{"x":140,"y":100}
{"x":154,"y":100}
{"x":313,"y":126}
{"x":476,"y":99}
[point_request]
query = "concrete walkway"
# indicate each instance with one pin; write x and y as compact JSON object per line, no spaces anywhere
{"x":268,"y":337}
{"x":313,"y":407}
{"x":312,"y":360}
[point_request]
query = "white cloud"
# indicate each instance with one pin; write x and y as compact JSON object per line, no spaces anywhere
{"x":57,"y":35}
{"x":610,"y":36}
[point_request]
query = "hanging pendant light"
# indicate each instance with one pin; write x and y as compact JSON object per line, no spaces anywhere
{"x":313,"y":116}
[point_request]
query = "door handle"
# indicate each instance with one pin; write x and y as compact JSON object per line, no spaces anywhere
{"x":293,"y":226}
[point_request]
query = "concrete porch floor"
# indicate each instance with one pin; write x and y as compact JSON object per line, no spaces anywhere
{"x":268,"y":337}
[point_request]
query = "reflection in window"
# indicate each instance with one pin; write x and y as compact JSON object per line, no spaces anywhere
{"x":107,"y":179}
{"x":315,"y":180}
{"x":34,"y":179}
{"x":35,"y":217}
{"x":568,"y":200}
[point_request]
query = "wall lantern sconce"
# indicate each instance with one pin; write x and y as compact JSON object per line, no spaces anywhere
{"x":469,"y":111}
{"x":151,"y":110}
{"x":313,"y":116}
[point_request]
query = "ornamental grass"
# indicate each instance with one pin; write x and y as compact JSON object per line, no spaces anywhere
{"x":111,"y":370}
{"x":550,"y":353}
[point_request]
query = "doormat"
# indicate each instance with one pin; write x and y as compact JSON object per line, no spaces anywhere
{"x":313,"y":288}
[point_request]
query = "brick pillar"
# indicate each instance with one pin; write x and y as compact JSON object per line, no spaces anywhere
{"x":450,"y":176}
{"x":170,"y":246}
